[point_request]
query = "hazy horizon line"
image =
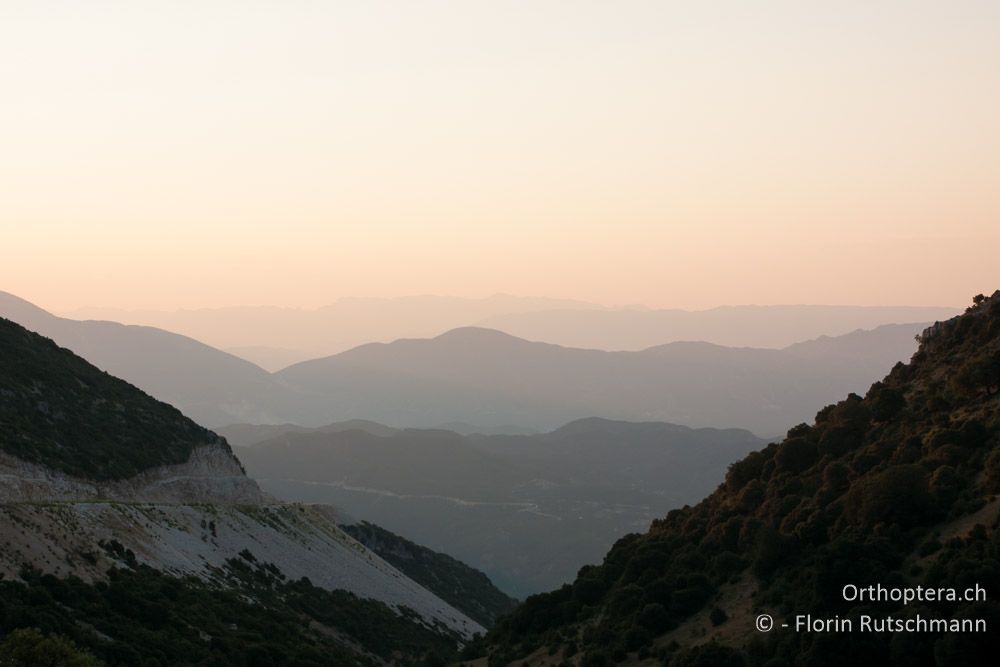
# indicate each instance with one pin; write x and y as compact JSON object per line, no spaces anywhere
{"x":585,"y":304}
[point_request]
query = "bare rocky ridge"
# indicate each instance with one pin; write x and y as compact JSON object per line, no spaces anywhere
{"x":189,"y":519}
{"x":210,"y":475}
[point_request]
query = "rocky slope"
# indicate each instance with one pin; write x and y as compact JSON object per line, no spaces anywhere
{"x":96,"y":476}
{"x":211,"y":475}
{"x":198,"y":539}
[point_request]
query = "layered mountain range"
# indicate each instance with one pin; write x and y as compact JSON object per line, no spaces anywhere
{"x":487,"y":379}
{"x":277,"y":337}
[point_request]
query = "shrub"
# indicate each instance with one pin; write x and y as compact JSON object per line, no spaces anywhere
{"x":838,"y":440}
{"x":979,"y":374}
{"x":750,"y":497}
{"x":796,"y":455}
{"x":742,"y":472}
{"x":885,"y":402}
{"x":993,"y":471}
{"x":654,"y":617}
{"x":708,"y":655}
{"x":898,"y":495}
{"x":28,"y":647}
{"x":946,"y":484}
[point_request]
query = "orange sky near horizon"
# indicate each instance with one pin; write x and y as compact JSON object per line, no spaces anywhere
{"x":673,"y":154}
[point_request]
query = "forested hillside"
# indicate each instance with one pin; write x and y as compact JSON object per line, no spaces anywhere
{"x":897,"y":488}
{"x":58,"y":410}
{"x":465,"y":588}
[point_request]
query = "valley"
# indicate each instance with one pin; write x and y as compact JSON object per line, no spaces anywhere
{"x":499,"y":334}
{"x":527,"y":510}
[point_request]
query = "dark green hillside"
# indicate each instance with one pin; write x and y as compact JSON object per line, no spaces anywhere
{"x":58,"y":410}
{"x":897,"y":488}
{"x":141,"y":616}
{"x":461,"y":586}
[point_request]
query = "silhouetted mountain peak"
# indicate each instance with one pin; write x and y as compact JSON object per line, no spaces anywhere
{"x":595,"y":425}
{"x":479,"y":336}
{"x":11,"y":304}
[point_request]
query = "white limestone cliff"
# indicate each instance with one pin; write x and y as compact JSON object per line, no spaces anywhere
{"x":189,"y":519}
{"x":210,"y":475}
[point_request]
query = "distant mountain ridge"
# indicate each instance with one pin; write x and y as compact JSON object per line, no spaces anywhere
{"x":273,"y":337}
{"x":490,"y":380}
{"x":210,"y":386}
{"x":771,"y":327}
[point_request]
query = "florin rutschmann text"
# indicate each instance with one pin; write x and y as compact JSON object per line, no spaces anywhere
{"x":878,"y":593}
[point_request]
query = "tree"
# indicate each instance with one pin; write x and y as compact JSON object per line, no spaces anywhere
{"x":796,"y":455}
{"x":981,"y":373}
{"x":885,"y":402}
{"x":899,"y":494}
{"x":654,"y":617}
{"x":28,"y":647}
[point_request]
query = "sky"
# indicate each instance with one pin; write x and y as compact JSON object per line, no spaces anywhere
{"x":672,"y":154}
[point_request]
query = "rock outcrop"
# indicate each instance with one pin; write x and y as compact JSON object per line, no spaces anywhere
{"x":210,"y":475}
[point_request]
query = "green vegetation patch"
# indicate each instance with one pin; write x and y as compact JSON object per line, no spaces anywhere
{"x":252,"y":616}
{"x":60,"y":411}
{"x":465,"y":588}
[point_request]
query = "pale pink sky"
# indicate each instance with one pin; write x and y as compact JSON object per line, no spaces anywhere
{"x":686,"y":154}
